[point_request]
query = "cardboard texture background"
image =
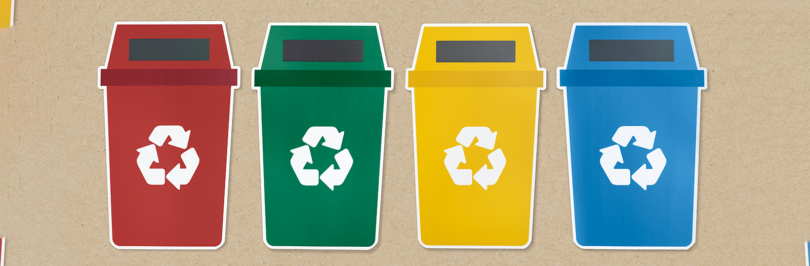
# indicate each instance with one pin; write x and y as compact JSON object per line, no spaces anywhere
{"x":754,"y":143}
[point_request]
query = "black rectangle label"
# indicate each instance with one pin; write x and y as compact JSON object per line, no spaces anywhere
{"x":168,"y":49}
{"x":632,"y":50}
{"x":475,"y":51}
{"x":323,"y":51}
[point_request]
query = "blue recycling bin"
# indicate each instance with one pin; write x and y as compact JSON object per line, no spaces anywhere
{"x":632,"y":107}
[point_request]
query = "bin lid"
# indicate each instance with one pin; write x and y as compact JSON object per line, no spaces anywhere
{"x":631,"y":54}
{"x":169,"y":53}
{"x":476,"y":55}
{"x":141,"y":45}
{"x":323,"y":55}
{"x":647,"y":46}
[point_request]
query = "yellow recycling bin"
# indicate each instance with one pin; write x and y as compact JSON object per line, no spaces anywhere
{"x":475,"y":92}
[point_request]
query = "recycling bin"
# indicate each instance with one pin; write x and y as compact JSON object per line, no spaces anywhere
{"x":168,"y":92}
{"x":641,"y":83}
{"x":475,"y":84}
{"x":322,"y":92}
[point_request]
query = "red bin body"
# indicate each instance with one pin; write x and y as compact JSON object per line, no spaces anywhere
{"x":168,"y":104}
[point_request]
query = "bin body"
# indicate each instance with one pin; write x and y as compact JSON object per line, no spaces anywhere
{"x":328,"y":81}
{"x":491,"y":91}
{"x":644,"y":81}
{"x":142,"y":98}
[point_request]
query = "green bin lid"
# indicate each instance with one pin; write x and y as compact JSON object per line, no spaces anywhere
{"x":323,"y":55}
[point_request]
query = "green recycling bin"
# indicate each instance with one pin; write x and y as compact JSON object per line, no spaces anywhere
{"x":322,"y":97}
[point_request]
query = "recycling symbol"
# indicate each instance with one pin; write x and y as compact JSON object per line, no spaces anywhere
{"x":455,"y":156}
{"x":331,"y":177}
{"x":148,"y":154}
{"x":611,"y":155}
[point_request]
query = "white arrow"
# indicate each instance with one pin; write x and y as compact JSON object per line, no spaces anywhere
{"x":146,"y":156}
{"x":610,"y":156}
{"x":645,"y":177}
{"x":487,"y":177}
{"x":644,"y":138}
{"x":486,"y":139}
{"x":301,"y":156}
{"x":333,"y":138}
{"x":179,"y":137}
{"x":455,"y":156}
{"x":334,"y":177}
{"x":181,"y":176}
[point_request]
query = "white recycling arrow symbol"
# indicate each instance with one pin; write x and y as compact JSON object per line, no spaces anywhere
{"x":331,"y":177}
{"x":148,"y":154}
{"x":612,"y":155}
{"x":455,"y":156}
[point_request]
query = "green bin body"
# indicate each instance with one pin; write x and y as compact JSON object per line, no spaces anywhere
{"x":322,"y":98}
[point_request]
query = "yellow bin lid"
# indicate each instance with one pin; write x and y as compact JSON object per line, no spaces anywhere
{"x":476,"y":55}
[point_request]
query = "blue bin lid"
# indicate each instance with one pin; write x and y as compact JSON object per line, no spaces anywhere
{"x":631,"y":54}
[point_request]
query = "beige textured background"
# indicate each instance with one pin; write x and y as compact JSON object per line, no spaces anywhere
{"x":753,"y":203}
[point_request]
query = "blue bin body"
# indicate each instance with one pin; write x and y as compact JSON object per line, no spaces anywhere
{"x":661,"y":93}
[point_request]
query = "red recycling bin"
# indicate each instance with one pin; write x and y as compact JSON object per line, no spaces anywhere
{"x":168,"y":92}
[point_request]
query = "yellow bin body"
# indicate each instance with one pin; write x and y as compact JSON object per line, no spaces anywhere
{"x":465,"y":84}
{"x":6,"y":13}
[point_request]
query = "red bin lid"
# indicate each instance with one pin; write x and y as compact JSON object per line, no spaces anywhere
{"x":169,"y":54}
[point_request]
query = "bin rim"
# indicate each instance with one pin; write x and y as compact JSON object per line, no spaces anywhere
{"x":422,"y":31}
{"x":10,"y":23}
{"x":382,"y":145}
{"x":271,"y":24}
{"x":224,"y":32}
{"x":686,"y":24}
{"x":230,"y":134}
{"x":806,"y":255}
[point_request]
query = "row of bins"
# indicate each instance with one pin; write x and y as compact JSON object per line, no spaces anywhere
{"x":322,"y":95}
